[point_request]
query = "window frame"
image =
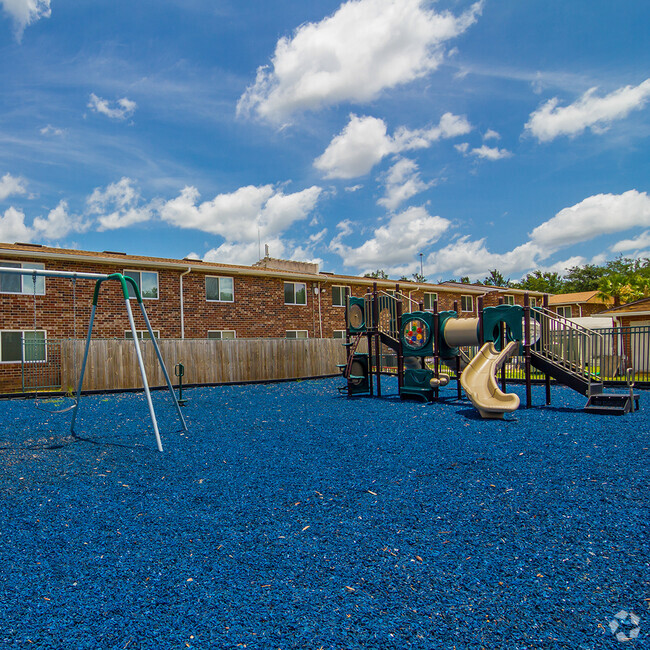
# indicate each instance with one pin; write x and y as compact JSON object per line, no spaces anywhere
{"x":22,"y":346}
{"x":219,"y":278}
{"x":471,"y":298}
{"x":221,"y":338}
{"x":343,"y":288}
{"x":141,"y":334}
{"x":341,"y":332}
{"x":532,"y":302}
{"x":138,"y":281}
{"x":29,"y":291}
{"x":509,"y":299}
{"x":424,"y":301}
{"x":296,"y":338}
{"x":296,"y":304}
{"x":563,"y":313}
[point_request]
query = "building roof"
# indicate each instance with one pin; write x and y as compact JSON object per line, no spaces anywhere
{"x":582,"y":297}
{"x":297,"y":272}
{"x":640,"y":307}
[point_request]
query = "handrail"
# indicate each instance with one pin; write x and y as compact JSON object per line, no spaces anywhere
{"x":565,"y":343}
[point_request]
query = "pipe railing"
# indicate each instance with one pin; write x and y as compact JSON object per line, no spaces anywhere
{"x":566,"y":343}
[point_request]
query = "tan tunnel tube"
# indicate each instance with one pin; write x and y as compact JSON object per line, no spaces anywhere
{"x":461,"y":331}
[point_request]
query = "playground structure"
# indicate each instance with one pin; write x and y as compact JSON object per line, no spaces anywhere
{"x":554,"y":345}
{"x":124,"y":282}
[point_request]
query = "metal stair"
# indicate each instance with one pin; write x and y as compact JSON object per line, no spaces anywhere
{"x":564,"y":351}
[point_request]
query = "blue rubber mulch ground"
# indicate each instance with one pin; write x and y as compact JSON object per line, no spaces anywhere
{"x":290,"y":517}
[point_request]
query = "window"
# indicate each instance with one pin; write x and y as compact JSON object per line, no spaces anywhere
{"x":295,"y":293}
{"x":221,"y":334}
{"x":297,"y":334}
{"x":219,"y":289}
{"x":339,"y":334}
{"x":429,"y":299}
{"x":467,"y":303}
{"x":147,"y":282}
{"x":508,"y":300}
{"x":15,"y":283}
{"x":16,"y":346}
{"x":338,"y":296}
{"x":564,"y":311}
{"x":532,"y":302}
{"x":142,"y":334}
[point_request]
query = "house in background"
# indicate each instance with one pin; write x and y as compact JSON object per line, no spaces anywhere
{"x":578,"y":305}
{"x":634,"y":314}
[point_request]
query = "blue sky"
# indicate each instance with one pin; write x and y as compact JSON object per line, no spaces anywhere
{"x":495,"y":134}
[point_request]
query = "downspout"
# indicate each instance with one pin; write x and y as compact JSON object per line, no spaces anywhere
{"x":189,"y":269}
{"x":320,"y":315}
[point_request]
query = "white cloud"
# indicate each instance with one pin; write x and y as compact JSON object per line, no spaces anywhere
{"x":490,"y":153}
{"x":11,"y":185}
{"x":491,"y":135}
{"x":118,"y":206}
{"x":462,"y":147}
{"x":241,"y":216}
{"x":51,"y":130}
{"x":13,"y":228}
{"x":402,"y":182}
{"x":25,"y":12}
{"x":59,"y":223}
{"x":120,"y":110}
{"x":365,"y":47}
{"x":364,"y":142}
{"x":392,"y":245}
{"x":550,"y":120}
{"x":636,"y":244}
{"x":353,"y":188}
{"x":245,"y":253}
{"x":596,"y":215}
{"x":471,"y":257}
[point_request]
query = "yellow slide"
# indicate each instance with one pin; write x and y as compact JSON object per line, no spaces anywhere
{"x":480,"y":383}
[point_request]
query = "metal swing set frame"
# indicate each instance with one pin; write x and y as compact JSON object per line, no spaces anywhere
{"x":124,"y":281}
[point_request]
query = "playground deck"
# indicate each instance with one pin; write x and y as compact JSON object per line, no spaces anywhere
{"x":291,"y":517}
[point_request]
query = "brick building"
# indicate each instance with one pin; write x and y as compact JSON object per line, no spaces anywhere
{"x":191,"y":298}
{"x":577,"y":305}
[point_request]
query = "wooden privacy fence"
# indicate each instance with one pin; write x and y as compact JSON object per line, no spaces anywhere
{"x":112,"y":363}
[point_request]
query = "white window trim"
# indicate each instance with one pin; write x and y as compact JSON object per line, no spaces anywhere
{"x":509,"y":299}
{"x":219,"y":277}
{"x":340,"y":286}
{"x":430,"y":293}
{"x":296,"y":338}
{"x":338,"y":337}
{"x":222,"y":339}
{"x":532,"y":301}
{"x":22,"y":347}
{"x":296,"y":304}
{"x":35,"y":266}
{"x":141,"y":334}
{"x":466,"y":311}
{"x":563,"y":308}
{"x":129,"y":271}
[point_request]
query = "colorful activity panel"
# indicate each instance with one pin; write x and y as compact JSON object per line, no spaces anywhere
{"x":417,"y":334}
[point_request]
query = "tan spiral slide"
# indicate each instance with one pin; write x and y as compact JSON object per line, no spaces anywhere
{"x":480,"y":383}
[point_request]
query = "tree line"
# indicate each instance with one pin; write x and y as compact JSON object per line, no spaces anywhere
{"x":621,"y":280}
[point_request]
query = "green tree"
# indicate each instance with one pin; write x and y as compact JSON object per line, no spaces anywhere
{"x":626,"y":280}
{"x":417,"y":277}
{"x":378,"y":274}
{"x":496,"y":279}
{"x":544,"y":281}
{"x":583,"y":278}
